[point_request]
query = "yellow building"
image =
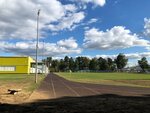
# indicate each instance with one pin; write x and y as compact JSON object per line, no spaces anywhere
{"x":19,"y":65}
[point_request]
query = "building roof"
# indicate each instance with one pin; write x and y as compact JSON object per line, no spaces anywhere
{"x":15,"y":56}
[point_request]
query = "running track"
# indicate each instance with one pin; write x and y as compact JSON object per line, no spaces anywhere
{"x":54,"y":86}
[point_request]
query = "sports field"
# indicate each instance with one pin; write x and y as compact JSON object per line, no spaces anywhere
{"x":17,"y":81}
{"x":129,"y":79}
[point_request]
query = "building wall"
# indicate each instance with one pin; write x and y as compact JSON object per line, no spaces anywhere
{"x":15,"y":64}
{"x":40,"y":69}
{"x":29,"y":63}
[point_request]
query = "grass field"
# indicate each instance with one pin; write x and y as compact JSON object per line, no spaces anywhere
{"x":129,"y":79}
{"x":17,"y":81}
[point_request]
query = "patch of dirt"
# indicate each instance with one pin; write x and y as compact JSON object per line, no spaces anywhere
{"x":20,"y":97}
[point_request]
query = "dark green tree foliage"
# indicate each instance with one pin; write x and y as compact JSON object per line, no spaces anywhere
{"x":84,"y":63}
{"x":61,"y":65}
{"x":48,"y":62}
{"x":103,"y":64}
{"x":121,"y":61}
{"x":79,"y":63}
{"x":66,"y":63}
{"x":55,"y":65}
{"x":76,"y":65}
{"x":111,"y":64}
{"x":143,"y":63}
{"x":93,"y":65}
{"x":71,"y":64}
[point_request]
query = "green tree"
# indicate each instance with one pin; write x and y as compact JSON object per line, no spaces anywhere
{"x":61,"y":65}
{"x":48,"y":62}
{"x":121,"y":61}
{"x":82,"y":63}
{"x":79,"y":61}
{"x":111,"y":64}
{"x":54,"y":65}
{"x":71,"y":64}
{"x":85,"y":63}
{"x":76,"y":65}
{"x":103,"y":64}
{"x":93,"y":65}
{"x":143,"y":63}
{"x":66,"y":63}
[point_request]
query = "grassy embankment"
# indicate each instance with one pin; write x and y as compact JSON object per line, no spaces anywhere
{"x":17,"y":81}
{"x":127,"y":79}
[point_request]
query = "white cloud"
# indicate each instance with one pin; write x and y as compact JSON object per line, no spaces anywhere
{"x":98,"y":2}
{"x":68,"y":22}
{"x":93,"y":20}
{"x":147,"y":27}
{"x":95,"y":2}
{"x":68,"y":43}
{"x":18,"y":18}
{"x":70,"y":7}
{"x":117,"y":37}
{"x":86,"y":24}
{"x":49,"y":49}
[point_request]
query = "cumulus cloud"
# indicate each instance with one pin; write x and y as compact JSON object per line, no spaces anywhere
{"x":47,"y":49}
{"x":18,"y":18}
{"x":117,"y":37}
{"x":68,"y":22}
{"x":68,"y":43}
{"x":147,"y":27}
{"x":92,"y":20}
{"x":95,"y":2}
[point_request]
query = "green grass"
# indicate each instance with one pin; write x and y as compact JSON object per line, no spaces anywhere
{"x":106,"y":76}
{"x":131,"y":79}
{"x":15,"y":77}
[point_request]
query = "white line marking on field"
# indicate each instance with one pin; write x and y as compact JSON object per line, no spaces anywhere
{"x":90,"y":89}
{"x":54,"y":92}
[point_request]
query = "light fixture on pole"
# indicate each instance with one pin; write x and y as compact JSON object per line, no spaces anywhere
{"x":36,"y":68}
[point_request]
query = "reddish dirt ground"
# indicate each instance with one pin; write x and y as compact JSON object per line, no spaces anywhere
{"x":55,"y":87}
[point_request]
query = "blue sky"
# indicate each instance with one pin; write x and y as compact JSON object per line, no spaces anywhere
{"x":90,"y":28}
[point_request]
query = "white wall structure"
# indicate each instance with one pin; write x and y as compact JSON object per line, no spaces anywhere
{"x":42,"y":69}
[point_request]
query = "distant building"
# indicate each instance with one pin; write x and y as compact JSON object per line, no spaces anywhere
{"x":137,"y":69}
{"x":41,"y":68}
{"x":18,"y":65}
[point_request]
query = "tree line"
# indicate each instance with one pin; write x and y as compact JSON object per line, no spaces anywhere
{"x":94,"y":64}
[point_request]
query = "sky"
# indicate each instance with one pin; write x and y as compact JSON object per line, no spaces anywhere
{"x":91,"y":28}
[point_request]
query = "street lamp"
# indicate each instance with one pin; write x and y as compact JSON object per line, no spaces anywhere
{"x":36,"y":68}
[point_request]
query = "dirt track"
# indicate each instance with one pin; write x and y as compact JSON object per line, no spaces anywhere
{"x":57,"y":95}
{"x":55,"y":87}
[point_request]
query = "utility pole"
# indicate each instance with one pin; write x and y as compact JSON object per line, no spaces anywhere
{"x":43,"y":59}
{"x":36,"y":68}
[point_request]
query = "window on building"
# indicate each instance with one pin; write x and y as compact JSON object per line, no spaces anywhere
{"x":7,"y":68}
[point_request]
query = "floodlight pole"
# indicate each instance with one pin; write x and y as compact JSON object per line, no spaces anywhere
{"x":36,"y":68}
{"x":42,"y":58}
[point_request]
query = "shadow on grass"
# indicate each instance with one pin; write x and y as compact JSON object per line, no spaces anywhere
{"x":107,"y":103}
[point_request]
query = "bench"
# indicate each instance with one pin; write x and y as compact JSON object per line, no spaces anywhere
{"x":13,"y":91}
